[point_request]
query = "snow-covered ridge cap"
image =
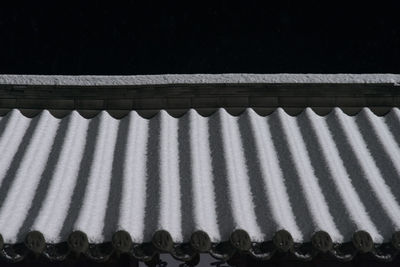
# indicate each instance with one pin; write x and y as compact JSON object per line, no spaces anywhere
{"x":239,"y":78}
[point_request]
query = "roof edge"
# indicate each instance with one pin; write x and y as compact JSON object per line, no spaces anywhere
{"x":227,"y":78}
{"x":281,"y":244}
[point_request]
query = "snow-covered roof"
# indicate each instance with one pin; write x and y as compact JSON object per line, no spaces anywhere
{"x":338,"y":173}
{"x":229,"y":78}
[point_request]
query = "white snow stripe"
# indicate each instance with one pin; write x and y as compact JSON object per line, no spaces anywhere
{"x":202,"y":184}
{"x":385,"y":137}
{"x":239,"y":188}
{"x":368,"y":165}
{"x":340,"y":177}
{"x":273,"y":178}
{"x":309,"y":182}
{"x":396,"y":112}
{"x":132,"y":210}
{"x":59,"y":195}
{"x":224,"y":78}
{"x":10,"y":140}
{"x":170,"y":205}
{"x":92,"y":214}
{"x":55,"y":207}
{"x":23,"y":189}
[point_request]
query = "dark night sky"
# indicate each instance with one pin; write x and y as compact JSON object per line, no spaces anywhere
{"x":132,"y":37}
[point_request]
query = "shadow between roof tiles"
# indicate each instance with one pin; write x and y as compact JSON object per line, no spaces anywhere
{"x":152,"y":206}
{"x":379,"y":218}
{"x":16,"y":161}
{"x":325,"y":180}
{"x":45,"y":180}
{"x":382,"y":160}
{"x":186,"y":179}
{"x":393,"y":123}
{"x":3,"y":123}
{"x":292,"y":184}
{"x":114,"y":198}
{"x":221,"y":185}
{"x":82,"y":179}
{"x":257,"y":187}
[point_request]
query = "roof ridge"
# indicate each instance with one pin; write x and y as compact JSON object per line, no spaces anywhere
{"x":224,"y":78}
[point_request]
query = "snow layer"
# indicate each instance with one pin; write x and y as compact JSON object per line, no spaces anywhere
{"x":335,"y":173}
{"x":242,"y":78}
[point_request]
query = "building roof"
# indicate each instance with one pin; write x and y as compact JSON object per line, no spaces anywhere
{"x":220,"y":183}
{"x":226,"y":78}
{"x":148,"y":94}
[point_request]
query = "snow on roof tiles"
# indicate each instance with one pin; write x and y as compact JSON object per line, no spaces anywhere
{"x":336,"y":173}
{"x":230,"y":78}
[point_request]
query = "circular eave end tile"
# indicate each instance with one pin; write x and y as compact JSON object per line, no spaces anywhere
{"x":362,"y":241}
{"x":200,"y":241}
{"x":162,"y":241}
{"x":396,"y":240}
{"x":283,"y":240}
{"x":122,"y":241}
{"x":78,"y":242}
{"x":35,"y":242}
{"x":321,"y":241}
{"x":240,"y":240}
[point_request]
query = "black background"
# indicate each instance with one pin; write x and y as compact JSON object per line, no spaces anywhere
{"x":131,"y":37}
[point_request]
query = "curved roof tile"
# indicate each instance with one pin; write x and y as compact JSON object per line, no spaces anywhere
{"x":220,"y":183}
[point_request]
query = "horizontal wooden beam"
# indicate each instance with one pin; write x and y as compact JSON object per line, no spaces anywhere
{"x":149,"y":97}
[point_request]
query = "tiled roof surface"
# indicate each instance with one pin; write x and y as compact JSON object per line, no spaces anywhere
{"x":337,"y":173}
